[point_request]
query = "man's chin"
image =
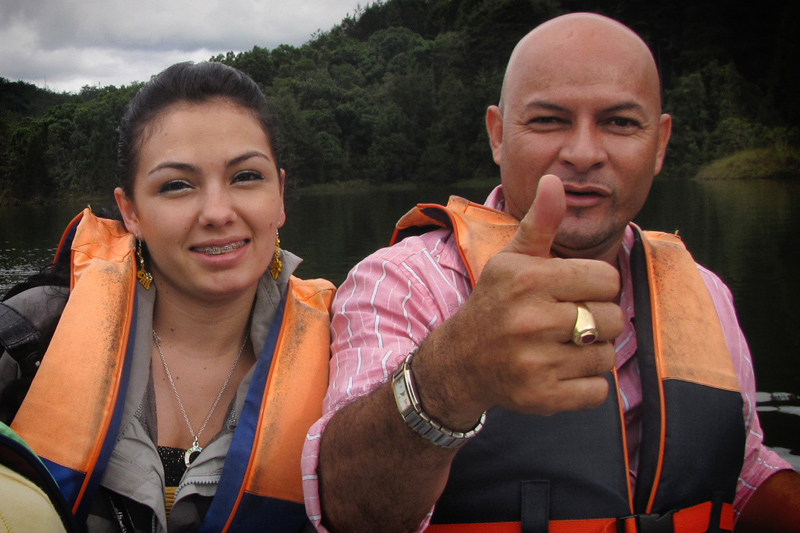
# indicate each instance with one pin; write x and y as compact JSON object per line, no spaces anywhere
{"x":586,"y":245}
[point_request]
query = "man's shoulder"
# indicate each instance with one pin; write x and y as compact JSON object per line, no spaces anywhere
{"x":715,"y":284}
{"x":437,"y":245}
{"x":428,"y":262}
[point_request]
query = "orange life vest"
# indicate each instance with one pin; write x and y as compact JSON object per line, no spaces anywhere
{"x":569,"y":472}
{"x":71,"y":414}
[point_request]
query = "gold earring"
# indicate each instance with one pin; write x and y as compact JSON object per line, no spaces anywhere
{"x":277,"y":265}
{"x":145,"y":277}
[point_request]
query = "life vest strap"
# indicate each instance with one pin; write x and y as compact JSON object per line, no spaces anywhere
{"x":695,"y":519}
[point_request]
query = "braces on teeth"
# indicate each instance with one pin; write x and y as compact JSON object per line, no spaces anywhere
{"x":217,"y":250}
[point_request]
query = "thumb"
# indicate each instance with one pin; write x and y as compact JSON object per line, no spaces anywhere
{"x":537,"y":230}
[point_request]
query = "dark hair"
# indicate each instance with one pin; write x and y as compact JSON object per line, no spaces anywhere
{"x":182,"y":82}
{"x":191,"y":83}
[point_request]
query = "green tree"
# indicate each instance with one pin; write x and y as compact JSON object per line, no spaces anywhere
{"x":26,"y":175}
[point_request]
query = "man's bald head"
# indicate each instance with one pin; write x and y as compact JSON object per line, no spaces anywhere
{"x":576,"y":38}
{"x":581,"y":100}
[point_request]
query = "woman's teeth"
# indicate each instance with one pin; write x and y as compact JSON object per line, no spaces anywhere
{"x":218,"y":250}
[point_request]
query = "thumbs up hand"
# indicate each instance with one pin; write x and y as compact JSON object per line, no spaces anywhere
{"x":537,"y":230}
{"x":510,"y":343}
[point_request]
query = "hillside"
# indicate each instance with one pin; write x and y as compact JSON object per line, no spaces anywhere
{"x":397,"y":92}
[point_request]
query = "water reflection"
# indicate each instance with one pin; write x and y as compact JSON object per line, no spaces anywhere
{"x":744,"y":231}
{"x":29,"y":237}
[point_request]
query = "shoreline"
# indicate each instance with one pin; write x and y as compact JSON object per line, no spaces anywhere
{"x":293,"y":191}
{"x":774,"y":162}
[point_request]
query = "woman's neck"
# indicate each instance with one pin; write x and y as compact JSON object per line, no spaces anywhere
{"x":203,"y":328}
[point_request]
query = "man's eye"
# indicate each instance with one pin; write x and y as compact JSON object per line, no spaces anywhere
{"x":174,"y":185}
{"x":544,"y":120}
{"x":247,"y":175}
{"x":621,"y":122}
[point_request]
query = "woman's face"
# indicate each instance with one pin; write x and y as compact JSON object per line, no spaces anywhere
{"x":207,"y":200}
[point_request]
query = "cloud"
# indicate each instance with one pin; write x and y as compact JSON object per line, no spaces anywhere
{"x":68,"y":44}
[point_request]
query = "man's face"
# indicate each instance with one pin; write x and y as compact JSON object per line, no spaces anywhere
{"x":586,"y":108}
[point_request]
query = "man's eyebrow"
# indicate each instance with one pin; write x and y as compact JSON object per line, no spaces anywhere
{"x":624,"y":106}
{"x":551,"y":106}
{"x":543,"y":104}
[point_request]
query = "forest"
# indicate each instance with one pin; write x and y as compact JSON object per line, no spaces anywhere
{"x":397,"y":92}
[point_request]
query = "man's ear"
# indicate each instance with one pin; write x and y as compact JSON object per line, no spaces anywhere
{"x":128,"y":211}
{"x":494,"y":127}
{"x":664,"y":133}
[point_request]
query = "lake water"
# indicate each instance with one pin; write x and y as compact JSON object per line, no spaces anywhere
{"x":745,"y":231}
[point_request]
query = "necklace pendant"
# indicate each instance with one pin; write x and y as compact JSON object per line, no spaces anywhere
{"x":189,"y":455}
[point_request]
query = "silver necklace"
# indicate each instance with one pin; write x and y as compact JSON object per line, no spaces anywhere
{"x":189,"y":456}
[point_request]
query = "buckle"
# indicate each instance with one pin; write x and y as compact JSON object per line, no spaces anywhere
{"x":648,"y":523}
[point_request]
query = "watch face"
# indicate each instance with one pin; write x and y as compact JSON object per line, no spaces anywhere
{"x":401,"y":394}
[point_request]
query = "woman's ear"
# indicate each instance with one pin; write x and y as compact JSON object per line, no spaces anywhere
{"x":128,"y":211}
{"x":282,"y":219}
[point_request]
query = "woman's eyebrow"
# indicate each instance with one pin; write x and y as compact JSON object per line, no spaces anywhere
{"x":185,"y":167}
{"x":247,"y":155}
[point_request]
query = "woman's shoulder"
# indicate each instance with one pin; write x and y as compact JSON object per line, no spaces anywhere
{"x":38,"y":305}
{"x":27,"y":323}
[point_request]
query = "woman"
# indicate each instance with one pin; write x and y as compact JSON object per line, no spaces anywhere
{"x":188,"y":363}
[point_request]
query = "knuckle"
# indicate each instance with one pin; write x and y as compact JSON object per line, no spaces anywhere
{"x":602,"y":359}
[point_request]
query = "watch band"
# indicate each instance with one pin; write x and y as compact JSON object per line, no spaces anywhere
{"x":405,"y":395}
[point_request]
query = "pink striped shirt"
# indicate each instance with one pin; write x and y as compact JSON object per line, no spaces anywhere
{"x":394,"y":298}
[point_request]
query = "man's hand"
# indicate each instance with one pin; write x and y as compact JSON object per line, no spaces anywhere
{"x":774,"y":507}
{"x":510,"y":344}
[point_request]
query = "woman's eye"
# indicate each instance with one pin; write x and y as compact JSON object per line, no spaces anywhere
{"x":174,"y":185}
{"x":247,"y":175}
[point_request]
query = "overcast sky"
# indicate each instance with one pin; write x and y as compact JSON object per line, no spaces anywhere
{"x":67,"y":44}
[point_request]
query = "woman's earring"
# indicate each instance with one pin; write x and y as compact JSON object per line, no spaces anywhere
{"x":145,"y":277}
{"x":277,"y":265}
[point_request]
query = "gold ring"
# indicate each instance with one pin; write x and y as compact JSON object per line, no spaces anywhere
{"x":585,"y":331}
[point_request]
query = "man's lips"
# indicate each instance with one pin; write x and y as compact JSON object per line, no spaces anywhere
{"x":586,"y":190}
{"x":214,"y":249}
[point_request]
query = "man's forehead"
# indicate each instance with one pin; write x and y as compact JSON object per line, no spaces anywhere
{"x":590,"y":29}
{"x":582,"y":51}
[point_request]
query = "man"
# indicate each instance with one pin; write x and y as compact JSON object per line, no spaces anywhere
{"x":597,"y":405}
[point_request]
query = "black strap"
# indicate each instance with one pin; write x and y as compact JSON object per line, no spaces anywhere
{"x":714,"y":524}
{"x":120,"y":513}
{"x":650,"y":523}
{"x":650,"y":443}
{"x":535,"y":506}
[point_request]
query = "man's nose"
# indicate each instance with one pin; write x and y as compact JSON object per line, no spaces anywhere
{"x":583,"y":149}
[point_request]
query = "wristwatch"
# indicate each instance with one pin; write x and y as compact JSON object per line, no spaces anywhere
{"x":405,"y":395}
